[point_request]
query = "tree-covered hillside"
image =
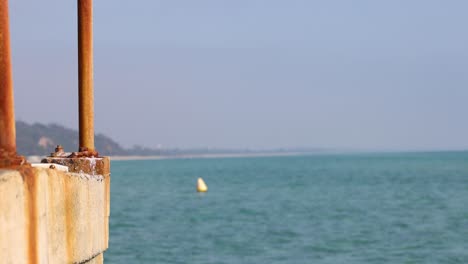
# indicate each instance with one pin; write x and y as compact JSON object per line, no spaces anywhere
{"x":39,"y":139}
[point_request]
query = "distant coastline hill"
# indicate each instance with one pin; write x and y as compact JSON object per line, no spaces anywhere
{"x":39,"y":139}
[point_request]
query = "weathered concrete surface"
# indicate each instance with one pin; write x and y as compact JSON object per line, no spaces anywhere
{"x":49,"y":216}
{"x":92,"y":166}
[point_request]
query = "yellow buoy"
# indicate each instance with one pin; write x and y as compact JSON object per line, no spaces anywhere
{"x":201,"y":186}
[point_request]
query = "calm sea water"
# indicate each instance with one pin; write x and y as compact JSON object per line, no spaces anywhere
{"x":372,"y":208}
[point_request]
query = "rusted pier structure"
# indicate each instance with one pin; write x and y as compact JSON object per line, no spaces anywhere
{"x":8,"y":155}
{"x":85,"y":74}
{"x":7,"y":115}
{"x":57,"y":211}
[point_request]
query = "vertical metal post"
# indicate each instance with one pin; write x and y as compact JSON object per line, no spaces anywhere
{"x":7,"y":113}
{"x":85,"y":74}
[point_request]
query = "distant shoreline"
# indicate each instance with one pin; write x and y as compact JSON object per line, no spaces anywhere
{"x":37,"y":159}
{"x":210,"y":156}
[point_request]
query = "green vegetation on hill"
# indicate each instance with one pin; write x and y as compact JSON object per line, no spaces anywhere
{"x":39,"y":139}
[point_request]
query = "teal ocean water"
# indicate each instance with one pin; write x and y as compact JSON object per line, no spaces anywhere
{"x":361,"y":208}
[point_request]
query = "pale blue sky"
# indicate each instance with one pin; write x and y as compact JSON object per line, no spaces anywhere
{"x":258,"y":74}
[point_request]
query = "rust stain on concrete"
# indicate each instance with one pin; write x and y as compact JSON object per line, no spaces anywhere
{"x":31,"y":210}
{"x":66,"y":215}
{"x":69,"y":221}
{"x":91,"y":166}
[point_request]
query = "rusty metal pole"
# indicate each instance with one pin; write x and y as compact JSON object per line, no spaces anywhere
{"x":85,"y":74}
{"x":7,"y":113}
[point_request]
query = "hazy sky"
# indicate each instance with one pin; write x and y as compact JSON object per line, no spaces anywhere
{"x":259,"y":74}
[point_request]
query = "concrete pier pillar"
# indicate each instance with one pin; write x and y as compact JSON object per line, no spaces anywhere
{"x":7,"y":114}
{"x":85,"y":74}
